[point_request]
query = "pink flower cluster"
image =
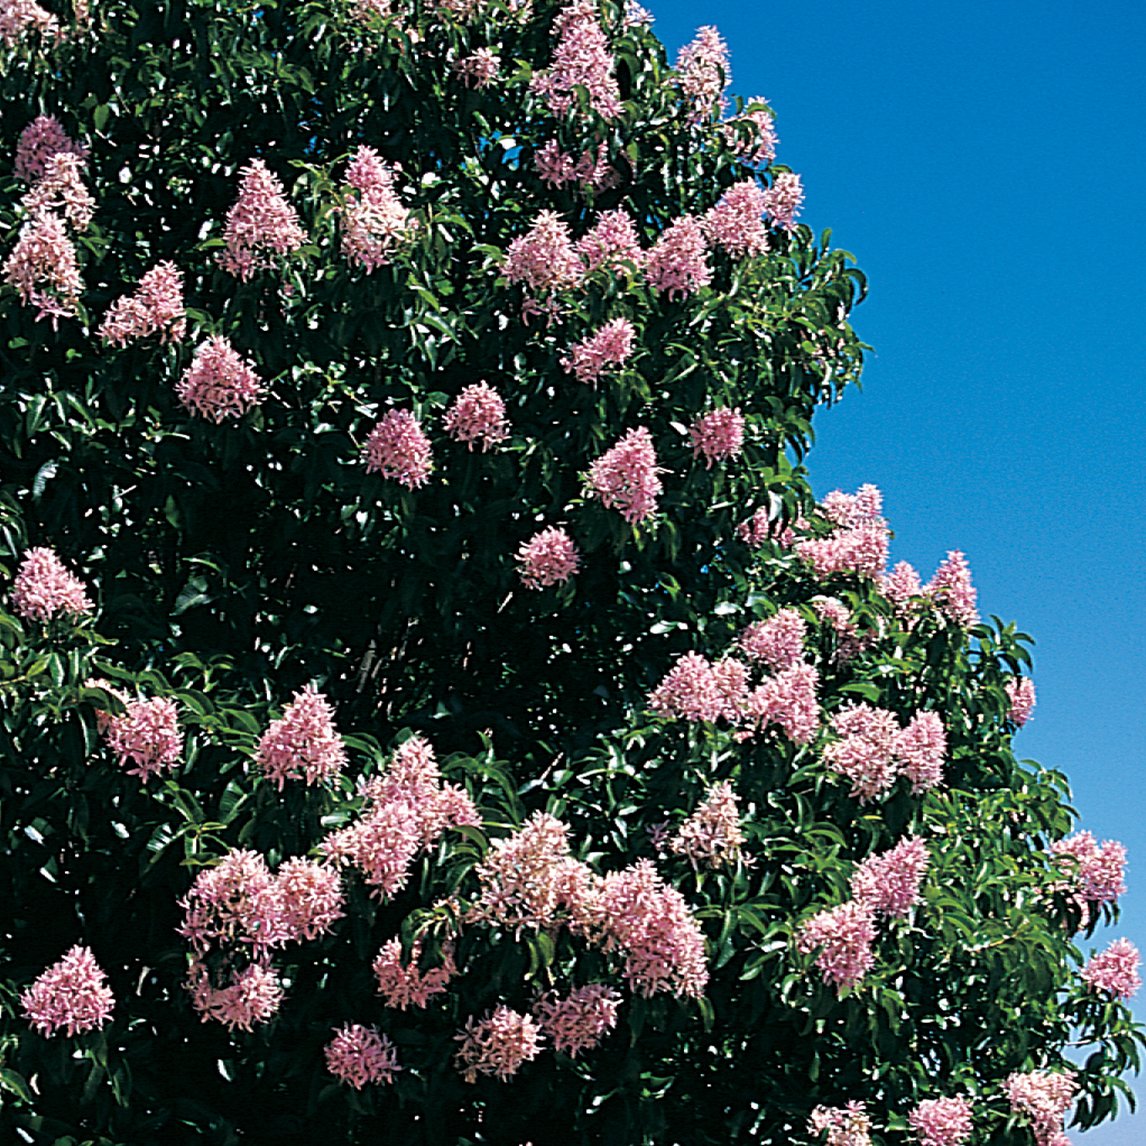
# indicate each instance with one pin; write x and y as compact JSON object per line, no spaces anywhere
{"x":678,"y":266}
{"x":71,"y":995}
{"x":703,"y":72}
{"x":156,"y":307}
{"x":260,"y":224}
{"x":406,"y":810}
{"x":952,"y":591}
{"x":219,"y":384}
{"x":44,"y":268}
{"x":591,"y":170}
{"x":695,"y":689}
{"x":717,"y":436}
{"x":60,"y":189}
{"x":751,"y":136}
{"x":399,"y":450}
{"x":1044,"y":1098}
{"x":890,"y":882}
{"x":942,"y":1122}
{"x":598,"y":353}
{"x":872,"y":749}
{"x":901,"y":585}
{"x":497,"y":1045}
{"x":736,"y":223}
{"x":549,"y":557}
{"x":39,"y":141}
{"x":783,"y":200}
{"x":627,"y":477}
{"x":1115,"y":970}
{"x":580,"y":1020}
{"x":712,"y":835}
{"x":43,"y":588}
{"x":789,"y":700}
{"x":859,"y":542}
{"x":612,"y":244}
{"x":303,"y":744}
{"x":544,"y":258}
{"x":145,"y":738}
{"x":1099,"y":869}
{"x":777,"y":641}
{"x":479,"y":69}
{"x":359,"y":1055}
{"x":1021,"y":693}
{"x":844,"y":1125}
{"x":477,"y":417}
{"x":409,"y":985}
{"x":252,"y":995}
{"x":19,"y":18}
{"x":373,"y":220}
{"x":580,"y":59}
{"x":844,"y":935}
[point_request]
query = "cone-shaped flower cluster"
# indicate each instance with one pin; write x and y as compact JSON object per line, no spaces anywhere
{"x":373,"y":220}
{"x":497,"y":1045}
{"x":70,"y":996}
{"x":580,"y":59}
{"x":678,"y":266}
{"x":60,"y":190}
{"x":260,"y":225}
{"x":477,"y":417}
{"x":156,"y":307}
{"x":410,"y":985}
{"x":43,"y":588}
{"x":1044,"y":1098}
{"x":219,"y":384}
{"x":844,"y":1125}
{"x":890,"y":882}
{"x":736,"y":223}
{"x":549,"y":557}
{"x":627,"y":477}
{"x":580,"y":1020}
{"x":872,"y":750}
{"x":1115,"y":970}
{"x":145,"y":739}
{"x":712,"y":835}
{"x":399,"y":450}
{"x":1099,"y":870}
{"x":44,"y":268}
{"x":600,"y":352}
{"x":303,"y":743}
{"x":39,"y":141}
{"x":942,"y":1122}
{"x":704,"y":72}
{"x":1021,"y":694}
{"x":717,"y":436}
{"x":360,"y":1056}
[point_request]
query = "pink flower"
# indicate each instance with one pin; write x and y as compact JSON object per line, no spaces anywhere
{"x":1115,"y":970}
{"x":845,"y":1125}
{"x":359,"y":1055}
{"x":261,"y":224}
{"x":543,"y":258}
{"x":612,"y":245}
{"x":862,"y":550}
{"x":717,"y":436}
{"x":580,"y":59}
{"x":691,"y":690}
{"x":310,"y":898}
{"x":890,"y":882}
{"x":252,"y":995}
{"x":1100,"y":870}
{"x":626,"y":477}
{"x":590,"y":170}
{"x":498,"y":1045}
{"x":703,"y":72}
{"x":479,"y":69}
{"x":477,"y":416}
{"x":789,"y":700}
{"x":678,"y":263}
{"x":399,"y":450}
{"x":44,"y":268}
{"x":865,"y":752}
{"x":156,"y":307}
{"x":38,"y":142}
{"x":920,"y":749}
{"x":901,"y":585}
{"x":1021,"y":693}
{"x":736,"y":223}
{"x":851,"y":510}
{"x":219,"y":383}
{"x":942,"y":1122}
{"x":712,"y":835}
{"x":18,"y":18}
{"x":145,"y":739}
{"x":381,"y":845}
{"x":751,"y":136}
{"x":1044,"y":1098}
{"x":580,"y":1020}
{"x":844,"y":935}
{"x":547,"y":558}
{"x":595,"y":355}
{"x":372,"y":219}
{"x":777,"y":641}
{"x":952,"y":591}
{"x":410,"y":985}
{"x":236,"y":902}
{"x":43,"y":588}
{"x":71,"y":995}
{"x":60,"y":189}
{"x":782,"y":201}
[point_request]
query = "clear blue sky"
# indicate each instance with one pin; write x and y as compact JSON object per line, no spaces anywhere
{"x":986,"y":163}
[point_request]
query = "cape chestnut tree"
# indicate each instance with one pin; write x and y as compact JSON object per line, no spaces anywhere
{"x":432,"y":707}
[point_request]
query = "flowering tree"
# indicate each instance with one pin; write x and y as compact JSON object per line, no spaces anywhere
{"x":432,"y":706}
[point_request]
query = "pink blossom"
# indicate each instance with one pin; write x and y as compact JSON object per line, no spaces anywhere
{"x":736,"y":223}
{"x":789,"y":700}
{"x":703,"y":72}
{"x":757,"y":529}
{"x":952,"y":591}
{"x":865,"y":750}
{"x":303,"y":743}
{"x":751,"y":135}
{"x":1044,"y":1098}
{"x":580,"y":59}
{"x":381,"y":845}
{"x":921,"y":749}
{"x":498,"y":1044}
{"x":1115,"y":970}
{"x":901,"y":585}
{"x":942,"y":1122}
{"x":60,"y":189}
{"x":845,"y":1125}
{"x":71,"y":995}
{"x":1021,"y":693}
{"x":44,"y":268}
{"x":777,"y":641}
{"x":862,"y":550}
{"x":712,"y":835}
{"x":410,"y":985}
{"x":372,"y":219}
{"x":38,"y":142}
{"x":717,"y":436}
{"x":219,"y":384}
{"x":145,"y":739}
{"x":580,"y":1020}
{"x":595,"y":355}
{"x":156,"y":307}
{"x":310,"y":898}
{"x":543,"y":258}
{"x":651,"y":923}
{"x":782,"y":201}
{"x":261,"y":224}
{"x":890,"y":882}
{"x":399,"y":450}
{"x":838,"y":617}
{"x":252,"y":995}
{"x":678,"y":263}
{"x":590,"y":170}
{"x":477,"y":417}
{"x":627,"y":478}
{"x":43,"y":588}
{"x":851,"y":510}
{"x":19,"y":18}
{"x":1100,"y":870}
{"x":612,"y":245}
{"x":844,"y":935}
{"x":691,"y":690}
{"x":359,"y":1055}
{"x":479,"y":69}
{"x":235,"y":902}
{"x":547,"y":558}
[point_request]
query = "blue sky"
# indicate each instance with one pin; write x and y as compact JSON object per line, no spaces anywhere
{"x":986,"y":163}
